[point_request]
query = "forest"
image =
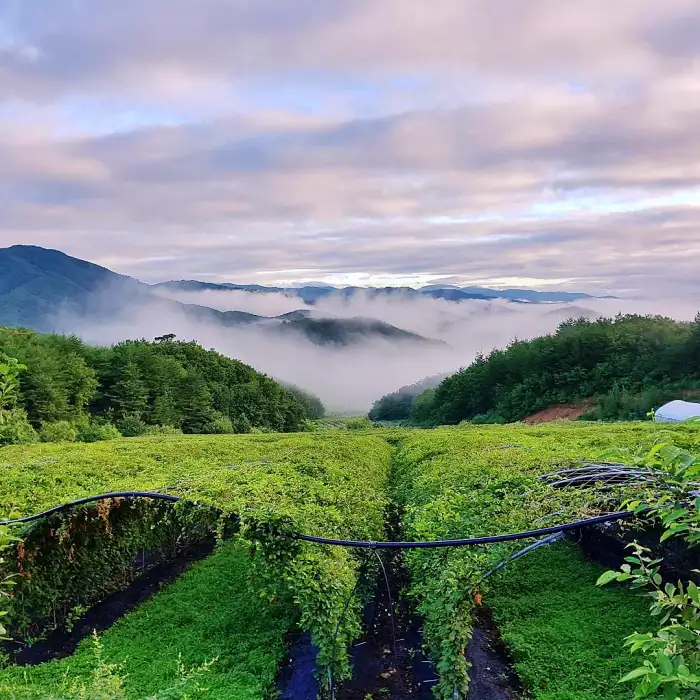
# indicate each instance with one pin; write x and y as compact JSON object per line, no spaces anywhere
{"x":623,"y":367}
{"x":68,"y":390}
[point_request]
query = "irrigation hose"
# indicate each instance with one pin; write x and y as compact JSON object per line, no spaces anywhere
{"x":466,"y":542}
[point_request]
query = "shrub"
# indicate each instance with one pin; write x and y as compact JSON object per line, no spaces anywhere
{"x":488,"y":419}
{"x":15,"y":429}
{"x":95,"y":431}
{"x":222,"y":425}
{"x":162,"y":430}
{"x":361,"y":423}
{"x":58,"y":431}
{"x":132,"y":426}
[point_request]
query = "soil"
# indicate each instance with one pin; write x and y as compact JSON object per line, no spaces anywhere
{"x":387,"y":661}
{"x":63,"y":642}
{"x":565,"y":411}
{"x":384,"y":671}
{"x":491,"y":676}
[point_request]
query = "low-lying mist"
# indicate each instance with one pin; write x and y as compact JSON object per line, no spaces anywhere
{"x":349,"y":379}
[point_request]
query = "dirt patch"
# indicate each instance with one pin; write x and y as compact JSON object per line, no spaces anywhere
{"x":491,"y":676}
{"x":63,"y":642}
{"x":385,"y":658}
{"x":565,"y":411}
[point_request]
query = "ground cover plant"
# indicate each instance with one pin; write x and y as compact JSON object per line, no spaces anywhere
{"x":480,"y":481}
{"x":331,"y":484}
{"x":205,"y":635}
{"x":564,"y":634}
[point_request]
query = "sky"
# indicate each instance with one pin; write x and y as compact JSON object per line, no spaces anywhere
{"x":532,"y":143}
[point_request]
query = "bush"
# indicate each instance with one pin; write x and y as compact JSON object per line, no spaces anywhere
{"x":15,"y":429}
{"x":361,"y":423}
{"x":58,"y":431}
{"x":222,"y":425}
{"x":97,"y":432}
{"x":132,"y":426}
{"x":488,"y":419}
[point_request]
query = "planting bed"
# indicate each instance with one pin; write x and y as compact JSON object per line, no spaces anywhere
{"x":252,"y":599}
{"x":164,"y":647}
{"x":326,"y":484}
{"x":481,"y":481}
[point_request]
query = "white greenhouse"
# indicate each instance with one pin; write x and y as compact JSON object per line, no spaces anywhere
{"x":677,"y":411}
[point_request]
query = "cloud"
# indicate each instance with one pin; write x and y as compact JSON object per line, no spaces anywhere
{"x":351,"y":379}
{"x":472,"y":140}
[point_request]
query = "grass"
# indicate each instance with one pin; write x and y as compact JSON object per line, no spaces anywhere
{"x":566,"y":635}
{"x":207,"y":614}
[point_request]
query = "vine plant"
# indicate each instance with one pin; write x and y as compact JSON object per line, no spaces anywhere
{"x":670,"y":656}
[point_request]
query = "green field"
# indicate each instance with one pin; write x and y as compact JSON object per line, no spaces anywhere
{"x":451,"y":482}
{"x":207,"y":623}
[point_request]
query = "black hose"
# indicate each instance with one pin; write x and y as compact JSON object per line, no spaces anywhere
{"x":489,"y":539}
{"x":92,"y":499}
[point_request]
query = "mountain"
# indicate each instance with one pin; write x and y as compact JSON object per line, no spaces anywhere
{"x":36,"y":284}
{"x":47,"y":290}
{"x":528,"y":295}
{"x":310,"y":294}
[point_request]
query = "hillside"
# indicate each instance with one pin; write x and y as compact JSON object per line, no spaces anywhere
{"x":138,"y":384}
{"x":623,"y":366}
{"x":49,"y":291}
{"x":398,"y":404}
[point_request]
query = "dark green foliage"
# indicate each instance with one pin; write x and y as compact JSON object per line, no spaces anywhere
{"x":74,"y":559}
{"x":137,"y":384}
{"x":631,"y":363}
{"x":313,"y":406}
{"x":399,"y":405}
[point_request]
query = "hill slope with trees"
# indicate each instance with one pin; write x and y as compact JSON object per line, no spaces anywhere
{"x":138,"y":384}
{"x":628,"y":364}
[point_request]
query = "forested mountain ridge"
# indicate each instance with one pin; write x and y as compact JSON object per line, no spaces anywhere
{"x":628,"y":364}
{"x":137,"y":384}
{"x":398,"y":405}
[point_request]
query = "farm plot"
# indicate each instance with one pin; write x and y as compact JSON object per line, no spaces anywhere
{"x":333,"y":485}
{"x":454,"y":483}
{"x":205,"y":632}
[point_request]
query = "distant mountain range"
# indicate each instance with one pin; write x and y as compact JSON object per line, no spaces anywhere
{"x":310,"y":294}
{"x":48,"y":290}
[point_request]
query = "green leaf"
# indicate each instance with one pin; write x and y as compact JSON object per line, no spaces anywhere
{"x":606,"y":578}
{"x":637,"y":673}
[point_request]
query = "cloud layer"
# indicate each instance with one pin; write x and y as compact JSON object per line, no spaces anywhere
{"x":485,"y":141}
{"x":351,"y":379}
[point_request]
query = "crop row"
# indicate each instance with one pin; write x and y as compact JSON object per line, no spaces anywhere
{"x":318,"y":484}
{"x":480,"y":481}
